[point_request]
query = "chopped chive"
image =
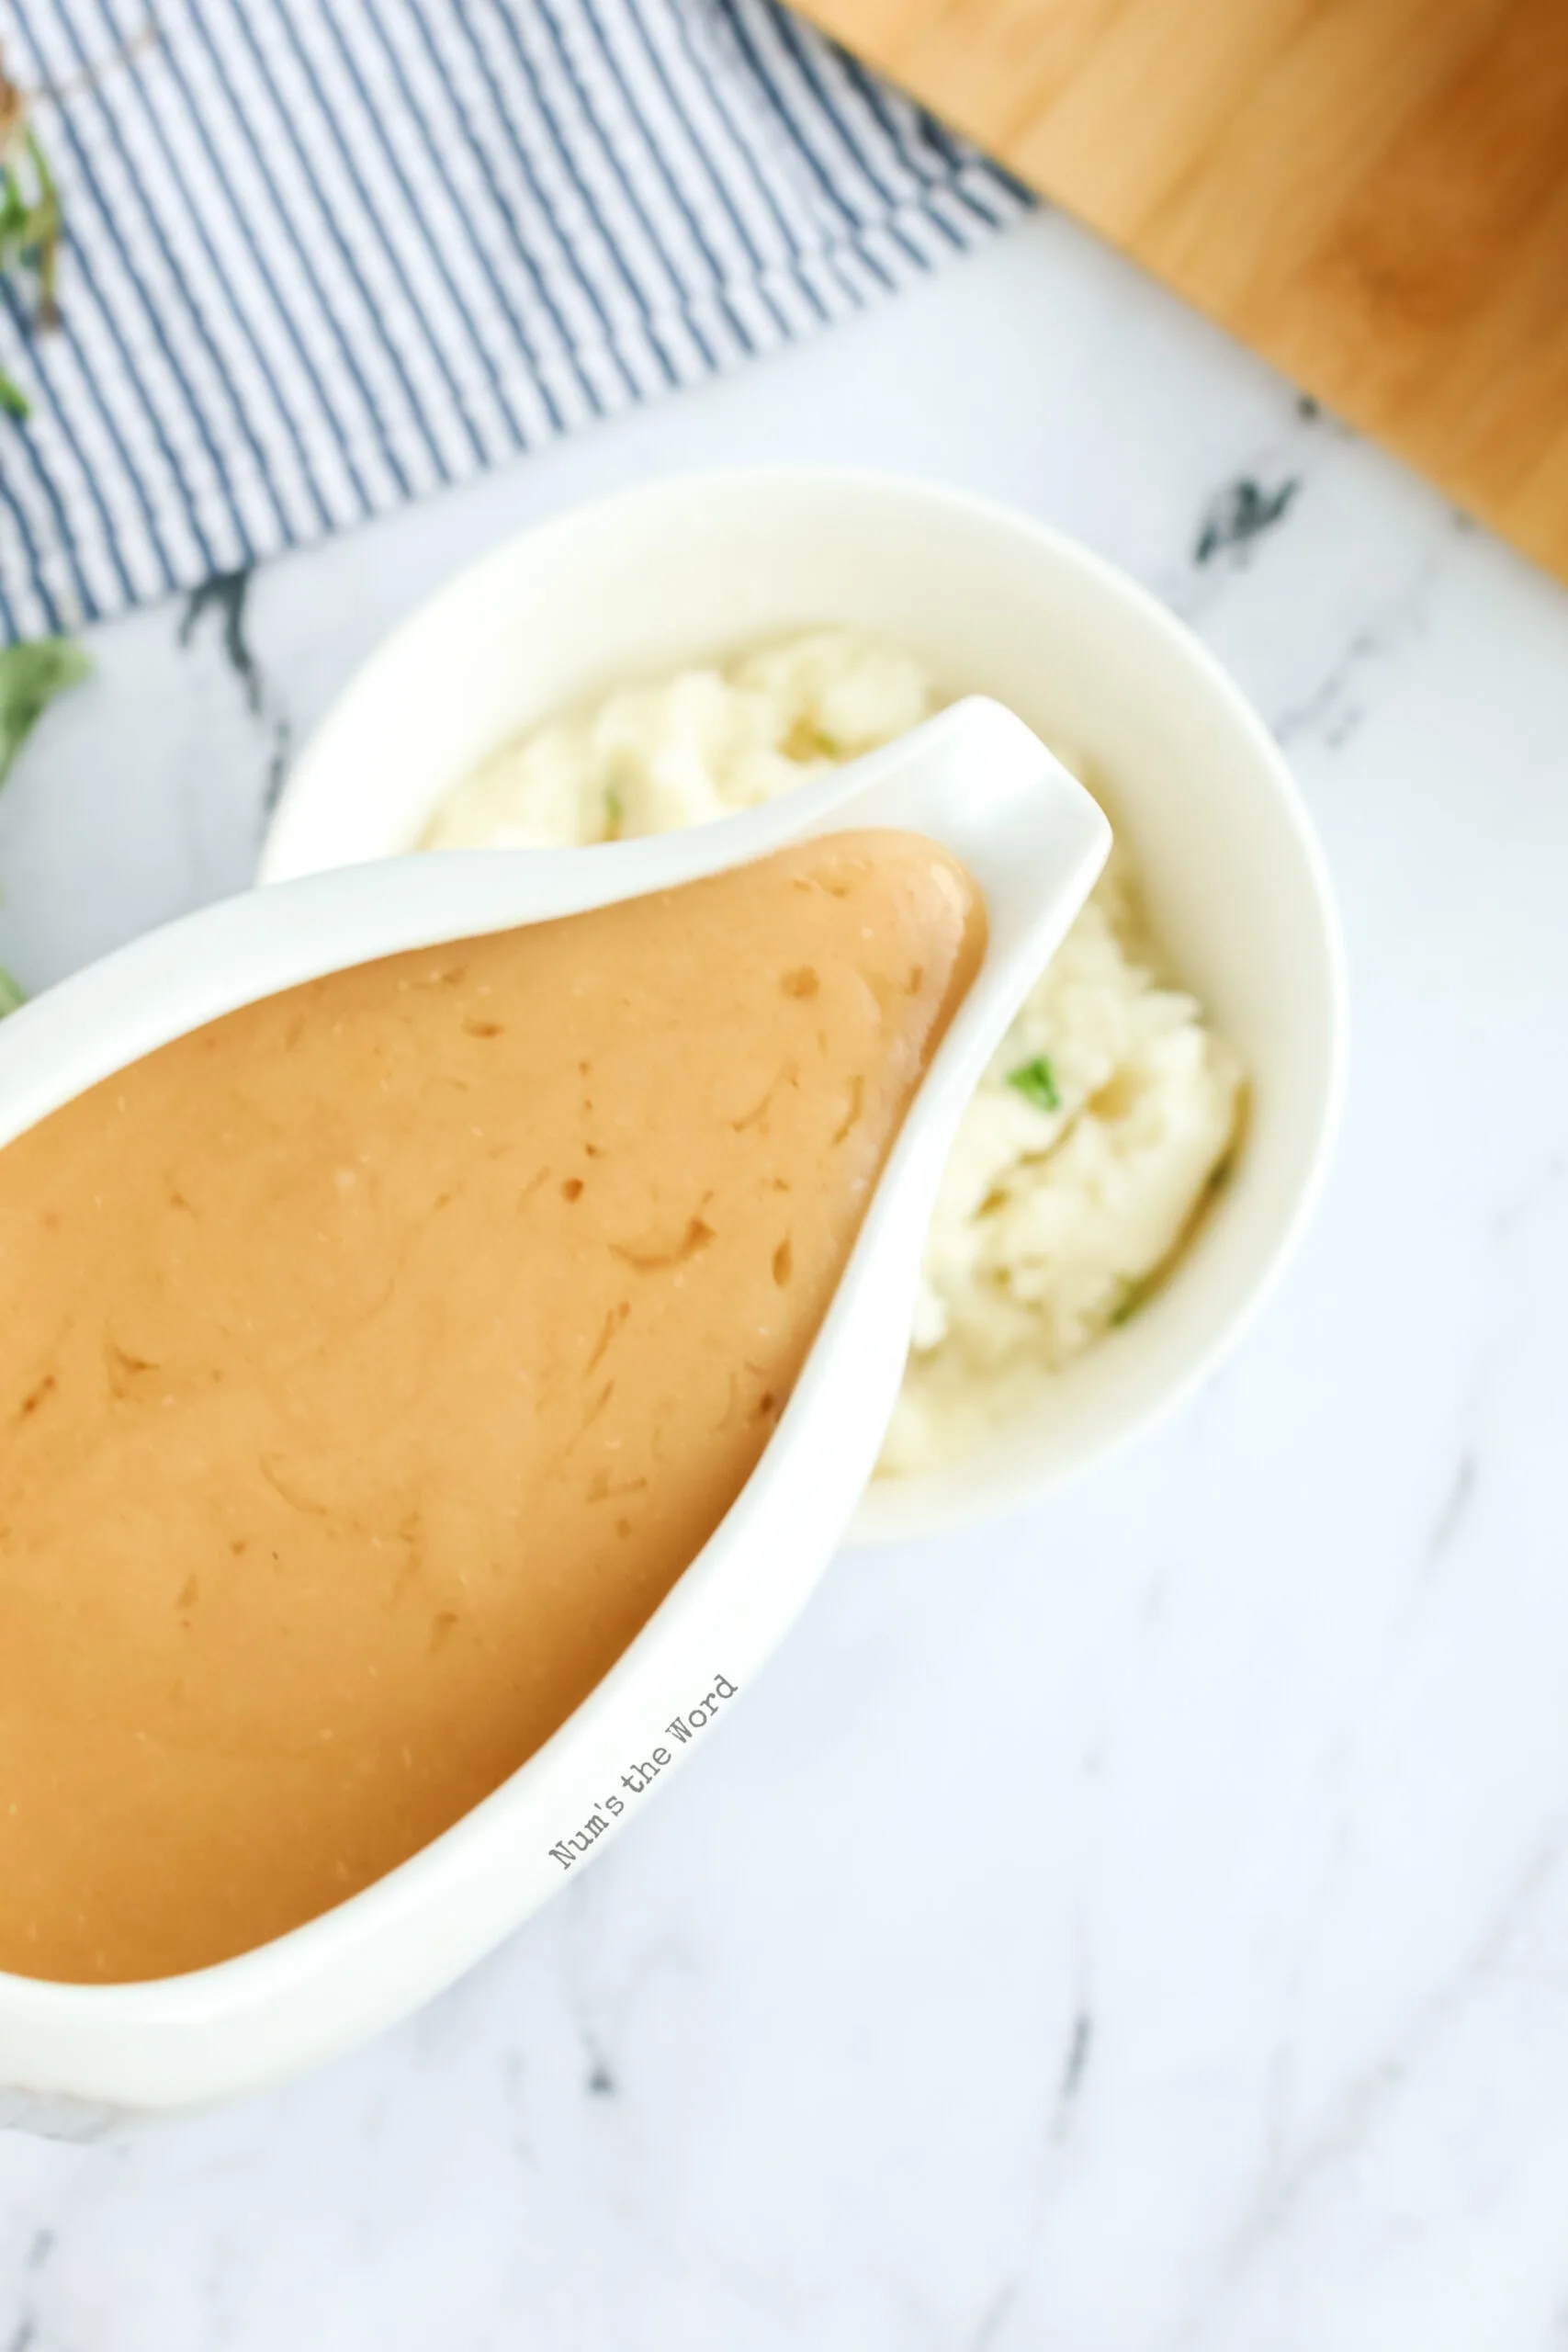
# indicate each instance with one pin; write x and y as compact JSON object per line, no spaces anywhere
{"x":1036,"y":1082}
{"x":1133,"y":1295}
{"x":12,"y":992}
{"x":14,"y":401}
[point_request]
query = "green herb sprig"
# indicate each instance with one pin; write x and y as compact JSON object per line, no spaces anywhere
{"x":30,"y":201}
{"x":30,"y":222}
{"x":30,"y":677}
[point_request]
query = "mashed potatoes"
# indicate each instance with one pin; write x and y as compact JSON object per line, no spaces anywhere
{"x":1103,"y":1120}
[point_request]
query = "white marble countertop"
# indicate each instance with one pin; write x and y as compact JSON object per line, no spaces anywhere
{"x":1144,"y":1925}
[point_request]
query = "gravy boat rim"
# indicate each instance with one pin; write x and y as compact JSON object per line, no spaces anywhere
{"x":975,"y":781}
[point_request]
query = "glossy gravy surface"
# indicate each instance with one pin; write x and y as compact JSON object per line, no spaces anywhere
{"x":373,"y":1361}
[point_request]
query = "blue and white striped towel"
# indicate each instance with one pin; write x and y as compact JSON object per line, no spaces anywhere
{"x":325,"y":256}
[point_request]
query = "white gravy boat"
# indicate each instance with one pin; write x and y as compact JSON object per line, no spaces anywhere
{"x":74,"y":2057}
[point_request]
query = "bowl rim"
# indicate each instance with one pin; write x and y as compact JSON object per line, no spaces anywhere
{"x":946,"y":1499}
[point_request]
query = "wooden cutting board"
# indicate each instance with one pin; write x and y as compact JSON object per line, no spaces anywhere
{"x":1372,"y":193}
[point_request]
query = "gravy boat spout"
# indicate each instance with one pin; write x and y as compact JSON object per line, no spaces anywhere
{"x":973,"y":780}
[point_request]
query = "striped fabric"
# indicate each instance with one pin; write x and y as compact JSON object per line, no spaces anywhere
{"x":325,"y":256}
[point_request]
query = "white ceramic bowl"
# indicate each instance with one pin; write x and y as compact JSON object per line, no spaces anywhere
{"x":641,"y":583}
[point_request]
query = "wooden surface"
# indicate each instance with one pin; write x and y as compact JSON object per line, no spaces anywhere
{"x":1372,"y":193}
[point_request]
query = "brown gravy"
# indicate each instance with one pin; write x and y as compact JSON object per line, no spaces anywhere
{"x":375,"y":1358}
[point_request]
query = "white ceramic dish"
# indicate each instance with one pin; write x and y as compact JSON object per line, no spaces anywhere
{"x":974,"y":778}
{"x":644,"y":583}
